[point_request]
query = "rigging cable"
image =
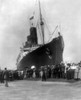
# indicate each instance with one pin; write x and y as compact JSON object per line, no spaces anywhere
{"x":47,"y":26}
{"x":45,"y":20}
{"x":38,"y":27}
{"x":53,"y":32}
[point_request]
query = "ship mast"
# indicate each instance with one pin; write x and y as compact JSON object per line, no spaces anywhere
{"x":41,"y":22}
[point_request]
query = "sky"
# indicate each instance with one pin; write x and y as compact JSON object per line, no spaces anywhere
{"x":14,"y":27}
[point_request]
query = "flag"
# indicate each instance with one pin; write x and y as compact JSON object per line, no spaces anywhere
{"x":31,"y":17}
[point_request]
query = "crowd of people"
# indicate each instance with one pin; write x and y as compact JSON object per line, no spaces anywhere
{"x":10,"y":75}
{"x":60,"y":71}
{"x":63,"y":71}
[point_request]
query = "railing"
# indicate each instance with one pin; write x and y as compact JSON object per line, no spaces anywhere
{"x":31,"y":48}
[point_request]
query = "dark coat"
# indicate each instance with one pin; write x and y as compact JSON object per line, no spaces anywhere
{"x":6,"y":75}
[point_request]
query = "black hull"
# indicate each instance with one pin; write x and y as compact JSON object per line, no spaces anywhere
{"x":49,"y":54}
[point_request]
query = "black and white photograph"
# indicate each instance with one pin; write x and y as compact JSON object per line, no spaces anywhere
{"x":40,"y":49}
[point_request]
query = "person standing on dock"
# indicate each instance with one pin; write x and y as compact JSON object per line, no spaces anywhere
{"x":6,"y":77}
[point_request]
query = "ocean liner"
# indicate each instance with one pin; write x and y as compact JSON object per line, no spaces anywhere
{"x":35,"y":54}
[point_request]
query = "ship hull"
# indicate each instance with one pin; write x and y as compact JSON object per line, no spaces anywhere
{"x":48,"y":54}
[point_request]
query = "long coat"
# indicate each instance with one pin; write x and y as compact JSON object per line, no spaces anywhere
{"x":6,"y":75}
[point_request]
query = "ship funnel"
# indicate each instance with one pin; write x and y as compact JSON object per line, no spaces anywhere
{"x":32,"y":38}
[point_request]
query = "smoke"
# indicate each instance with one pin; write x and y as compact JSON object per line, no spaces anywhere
{"x":14,"y":26}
